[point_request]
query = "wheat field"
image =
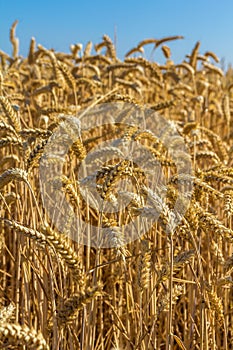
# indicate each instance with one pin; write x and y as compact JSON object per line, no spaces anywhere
{"x":171,"y":288}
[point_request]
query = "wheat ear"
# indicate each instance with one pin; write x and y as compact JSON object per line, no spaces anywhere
{"x":22,"y":335}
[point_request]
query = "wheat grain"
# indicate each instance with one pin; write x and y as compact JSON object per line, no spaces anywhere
{"x":15,"y":334}
{"x":13,"y":174}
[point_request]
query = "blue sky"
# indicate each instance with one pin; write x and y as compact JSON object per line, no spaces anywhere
{"x":57,"y":24}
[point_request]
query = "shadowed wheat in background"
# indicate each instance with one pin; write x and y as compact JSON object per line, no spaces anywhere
{"x":164,"y":290}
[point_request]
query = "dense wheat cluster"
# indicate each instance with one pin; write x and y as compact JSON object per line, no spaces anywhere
{"x":170,"y":288}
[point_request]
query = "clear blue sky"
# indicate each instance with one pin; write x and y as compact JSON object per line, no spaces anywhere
{"x":57,"y":24}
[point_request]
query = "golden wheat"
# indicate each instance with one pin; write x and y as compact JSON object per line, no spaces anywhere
{"x":174,"y":281}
